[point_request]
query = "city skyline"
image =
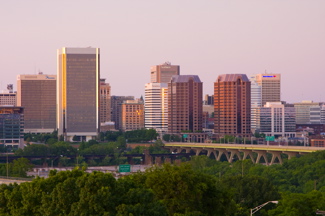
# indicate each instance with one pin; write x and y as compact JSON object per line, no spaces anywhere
{"x":205,"y":38}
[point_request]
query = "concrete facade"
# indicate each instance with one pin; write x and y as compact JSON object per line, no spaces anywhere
{"x":163,"y":73}
{"x":156,"y":106}
{"x":132,"y":115}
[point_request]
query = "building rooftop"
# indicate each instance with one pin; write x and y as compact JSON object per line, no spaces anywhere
{"x":232,"y":77}
{"x":185,"y":78}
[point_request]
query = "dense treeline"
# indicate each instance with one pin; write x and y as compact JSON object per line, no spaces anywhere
{"x":202,"y":186}
{"x":170,"y":190}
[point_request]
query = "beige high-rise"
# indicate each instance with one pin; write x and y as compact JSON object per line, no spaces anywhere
{"x":163,"y":73}
{"x":270,"y":87}
{"x":132,"y":115}
{"x":78,"y":93}
{"x":37,"y":94}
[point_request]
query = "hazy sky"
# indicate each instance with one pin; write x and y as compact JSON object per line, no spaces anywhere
{"x":204,"y":37}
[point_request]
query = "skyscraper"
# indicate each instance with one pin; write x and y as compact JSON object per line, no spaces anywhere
{"x":256,"y":104}
{"x":132,"y":115}
{"x":270,"y":87}
{"x":78,"y":93}
{"x":163,"y":73}
{"x":37,"y":94}
{"x":185,"y":104}
{"x":232,"y":105}
{"x":116,"y":108}
{"x":105,"y":103}
{"x":156,"y":106}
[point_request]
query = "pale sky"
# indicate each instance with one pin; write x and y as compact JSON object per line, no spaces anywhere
{"x":205,"y":37}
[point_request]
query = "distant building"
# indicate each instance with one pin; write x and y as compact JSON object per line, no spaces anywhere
{"x":270,"y":87}
{"x":308,"y":112}
{"x":256,"y":103}
{"x":156,"y":106}
{"x":132,"y":115}
{"x":232,"y":105}
{"x":105,"y":105}
{"x":12,"y":126}
{"x":185,"y":104}
{"x":278,"y":119}
{"x":314,"y":129}
{"x":116,"y":109}
{"x":163,"y":73}
{"x":208,"y":100}
{"x":37,"y":94}
{"x":78,"y":93}
{"x":8,"y":98}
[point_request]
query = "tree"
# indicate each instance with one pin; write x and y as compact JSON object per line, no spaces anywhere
{"x":182,"y":190}
{"x":250,"y":191}
{"x":121,"y":142}
{"x":20,"y":167}
{"x":151,"y":134}
{"x":75,"y":138}
{"x":166,"y":137}
{"x":294,"y":204}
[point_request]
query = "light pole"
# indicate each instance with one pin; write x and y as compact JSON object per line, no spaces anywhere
{"x":253,"y":210}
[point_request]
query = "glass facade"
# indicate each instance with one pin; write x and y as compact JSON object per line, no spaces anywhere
{"x":12,"y":125}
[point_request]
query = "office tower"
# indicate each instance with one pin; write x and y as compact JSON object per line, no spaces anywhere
{"x":308,"y":112}
{"x":155,"y":106}
{"x":270,"y":87}
{"x":116,"y":109}
{"x":163,"y":73}
{"x":12,"y":126}
{"x":78,"y":93}
{"x":256,"y":103}
{"x":232,"y":105}
{"x":278,"y":119}
{"x":105,"y":104}
{"x":37,"y":94}
{"x":185,"y":104}
{"x":208,"y":100}
{"x":132,"y":115}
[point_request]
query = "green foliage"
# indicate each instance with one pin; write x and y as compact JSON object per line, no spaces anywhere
{"x":75,"y":138}
{"x":121,"y":142}
{"x":171,"y":138}
{"x":43,"y":138}
{"x":79,"y":193}
{"x":250,"y":191}
{"x":294,"y":204}
{"x":182,"y":190}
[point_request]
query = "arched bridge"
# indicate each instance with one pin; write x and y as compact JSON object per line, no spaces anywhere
{"x":242,"y":152}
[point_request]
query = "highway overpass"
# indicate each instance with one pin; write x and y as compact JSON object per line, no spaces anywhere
{"x":242,"y":152}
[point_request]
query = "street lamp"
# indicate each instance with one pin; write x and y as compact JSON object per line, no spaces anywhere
{"x":253,"y":210}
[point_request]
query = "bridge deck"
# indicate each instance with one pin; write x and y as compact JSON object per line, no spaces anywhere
{"x":305,"y":149}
